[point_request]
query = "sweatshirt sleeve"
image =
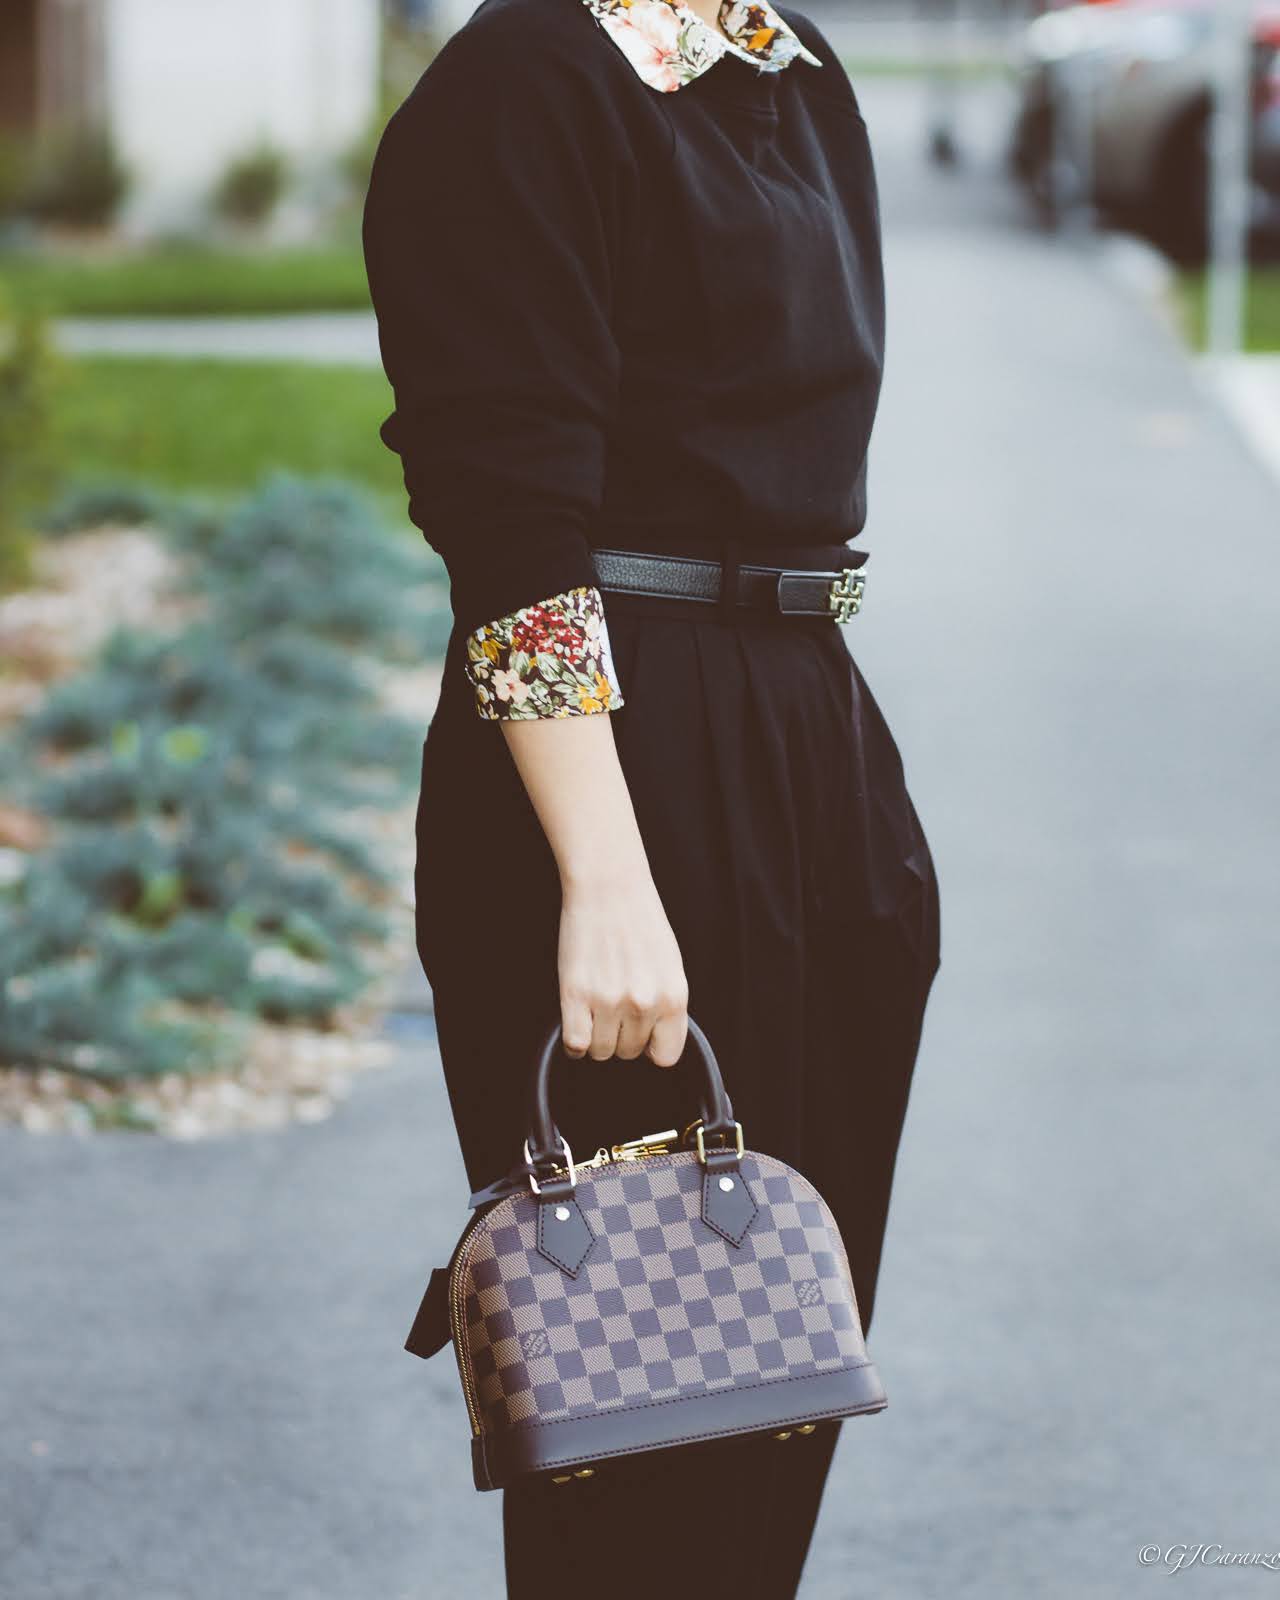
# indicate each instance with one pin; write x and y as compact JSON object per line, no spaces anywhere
{"x":492,"y":230}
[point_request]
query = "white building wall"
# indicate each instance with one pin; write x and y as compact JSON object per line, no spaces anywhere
{"x":192,"y":84}
{"x":449,"y":15}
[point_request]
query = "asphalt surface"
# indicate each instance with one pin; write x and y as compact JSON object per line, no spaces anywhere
{"x":1070,"y":625}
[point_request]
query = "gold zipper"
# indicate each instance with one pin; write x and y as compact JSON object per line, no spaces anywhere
{"x":458,"y":1322}
{"x":652,"y":1144}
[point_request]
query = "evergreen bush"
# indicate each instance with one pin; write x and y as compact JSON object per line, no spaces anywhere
{"x":314,"y":554}
{"x":208,"y":787}
{"x":98,"y":502}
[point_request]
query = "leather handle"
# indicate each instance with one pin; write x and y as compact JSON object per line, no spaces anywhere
{"x":545,"y":1145}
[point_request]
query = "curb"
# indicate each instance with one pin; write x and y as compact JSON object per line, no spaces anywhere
{"x":1138,"y":267}
{"x":1245,"y":389}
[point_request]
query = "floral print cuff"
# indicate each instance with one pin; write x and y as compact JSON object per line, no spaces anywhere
{"x":546,"y":660}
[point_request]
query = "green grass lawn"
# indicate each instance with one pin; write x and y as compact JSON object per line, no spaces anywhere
{"x":216,"y":426}
{"x":1262,"y":322}
{"x":192,"y":282}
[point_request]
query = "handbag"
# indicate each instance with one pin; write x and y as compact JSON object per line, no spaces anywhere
{"x":670,"y":1291}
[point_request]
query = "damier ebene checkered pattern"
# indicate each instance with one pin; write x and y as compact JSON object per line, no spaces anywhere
{"x":663,"y":1307}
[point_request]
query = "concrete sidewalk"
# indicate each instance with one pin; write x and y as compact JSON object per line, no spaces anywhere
{"x":327,"y":338}
{"x":1248,"y":388}
{"x":1070,"y":625}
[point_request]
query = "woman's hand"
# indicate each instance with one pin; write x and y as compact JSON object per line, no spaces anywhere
{"x":622,"y":984}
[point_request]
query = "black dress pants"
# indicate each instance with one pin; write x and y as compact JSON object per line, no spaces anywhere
{"x":797,"y":878}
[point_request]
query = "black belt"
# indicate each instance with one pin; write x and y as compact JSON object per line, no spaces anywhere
{"x":786,"y":591}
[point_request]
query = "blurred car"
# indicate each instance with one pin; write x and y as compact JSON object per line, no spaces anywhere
{"x":1142,"y":73}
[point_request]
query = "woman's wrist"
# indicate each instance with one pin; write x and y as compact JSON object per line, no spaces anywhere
{"x":607,"y":865}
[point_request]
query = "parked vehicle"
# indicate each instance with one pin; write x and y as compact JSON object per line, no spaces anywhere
{"x":1140,"y":73}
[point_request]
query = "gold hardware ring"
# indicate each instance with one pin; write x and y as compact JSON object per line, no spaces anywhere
{"x":700,"y":1142}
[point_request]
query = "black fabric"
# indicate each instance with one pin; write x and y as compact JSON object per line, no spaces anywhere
{"x":611,"y":314}
{"x":733,"y":1518}
{"x":618,"y":318}
{"x":786,"y":848}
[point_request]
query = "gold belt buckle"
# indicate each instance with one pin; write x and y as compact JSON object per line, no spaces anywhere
{"x":844,"y":597}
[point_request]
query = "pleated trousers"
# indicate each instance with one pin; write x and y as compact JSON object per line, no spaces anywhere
{"x":794,"y":869}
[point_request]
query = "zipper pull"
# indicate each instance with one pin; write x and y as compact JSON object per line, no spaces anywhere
{"x":652,"y":1144}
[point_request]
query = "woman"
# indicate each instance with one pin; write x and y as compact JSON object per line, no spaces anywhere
{"x":625,"y":258}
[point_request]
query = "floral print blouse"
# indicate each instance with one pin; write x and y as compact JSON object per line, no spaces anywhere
{"x":552,"y":658}
{"x":669,"y":44}
{"x":546,"y":660}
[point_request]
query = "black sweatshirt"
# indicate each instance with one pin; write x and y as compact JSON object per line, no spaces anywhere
{"x":618,"y":317}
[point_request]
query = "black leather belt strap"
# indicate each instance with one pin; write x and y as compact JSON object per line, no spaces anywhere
{"x":788,"y":591}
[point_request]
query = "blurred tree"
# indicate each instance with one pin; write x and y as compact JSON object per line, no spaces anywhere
{"x":15,"y":175}
{"x":252,"y":186}
{"x":78,"y":178}
{"x":29,"y":371}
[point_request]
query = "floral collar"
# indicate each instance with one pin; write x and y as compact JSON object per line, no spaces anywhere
{"x":669,"y":44}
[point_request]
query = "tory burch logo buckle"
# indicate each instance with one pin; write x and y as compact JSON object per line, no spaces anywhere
{"x":844,"y":597}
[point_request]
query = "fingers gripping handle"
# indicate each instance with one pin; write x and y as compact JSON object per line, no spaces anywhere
{"x":545,"y":1144}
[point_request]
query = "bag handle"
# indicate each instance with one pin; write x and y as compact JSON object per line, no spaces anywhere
{"x":547,"y":1148}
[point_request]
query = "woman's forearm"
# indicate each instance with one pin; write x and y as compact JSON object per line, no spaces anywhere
{"x":622,"y":982}
{"x":570,"y":768}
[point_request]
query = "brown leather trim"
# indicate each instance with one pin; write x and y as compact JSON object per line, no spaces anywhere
{"x":510,"y":1453}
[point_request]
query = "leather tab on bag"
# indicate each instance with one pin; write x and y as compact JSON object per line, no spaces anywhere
{"x":564,"y":1235}
{"x":514,"y":1182}
{"x":727,"y":1203}
{"x":431,"y":1330}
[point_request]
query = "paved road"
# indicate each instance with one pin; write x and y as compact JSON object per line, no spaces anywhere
{"x":1070,"y":625}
